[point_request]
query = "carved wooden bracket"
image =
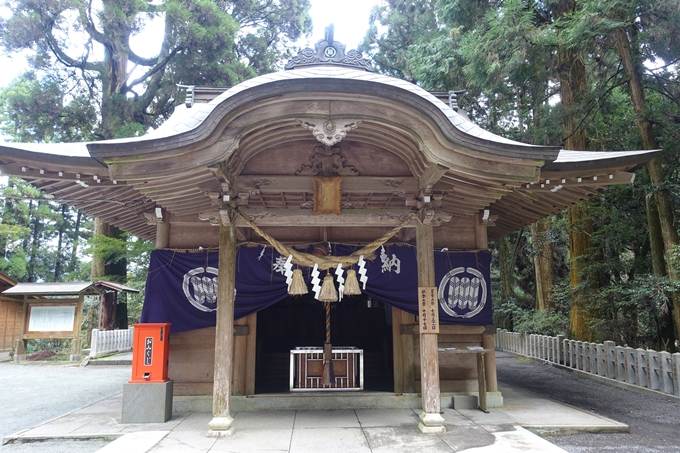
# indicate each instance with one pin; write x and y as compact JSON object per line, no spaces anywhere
{"x":211,"y":216}
{"x":218,"y":217}
{"x":156,"y":216}
{"x":434,"y":217}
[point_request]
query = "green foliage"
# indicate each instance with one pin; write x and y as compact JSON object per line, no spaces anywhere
{"x":56,"y":345}
{"x":543,"y":322}
{"x":506,"y":55}
{"x":38,"y":237}
{"x":33,"y":110}
{"x":132,"y":249}
{"x":84,"y":49}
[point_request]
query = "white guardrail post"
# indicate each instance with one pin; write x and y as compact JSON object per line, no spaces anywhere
{"x":601,"y":360}
{"x":610,"y":359}
{"x":676,"y":373}
{"x":108,"y":341}
{"x":659,"y":371}
{"x":654,"y":370}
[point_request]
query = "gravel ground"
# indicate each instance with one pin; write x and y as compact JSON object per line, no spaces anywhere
{"x":654,"y":419}
{"x":34,"y":393}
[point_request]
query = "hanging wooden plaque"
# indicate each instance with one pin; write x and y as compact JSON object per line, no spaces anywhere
{"x":428,"y":309}
{"x":327,"y":195}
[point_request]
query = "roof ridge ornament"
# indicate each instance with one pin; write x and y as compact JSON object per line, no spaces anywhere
{"x":331,"y":131}
{"x":329,"y":52}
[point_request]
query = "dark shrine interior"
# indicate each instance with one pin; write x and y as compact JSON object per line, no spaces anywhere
{"x":301,"y":321}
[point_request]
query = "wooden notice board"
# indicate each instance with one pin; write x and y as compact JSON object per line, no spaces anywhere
{"x":51,"y":319}
{"x":428,"y":309}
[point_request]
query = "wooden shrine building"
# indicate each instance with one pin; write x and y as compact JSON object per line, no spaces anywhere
{"x":321,"y":158}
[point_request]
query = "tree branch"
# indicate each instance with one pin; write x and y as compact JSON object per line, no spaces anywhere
{"x":65,"y":59}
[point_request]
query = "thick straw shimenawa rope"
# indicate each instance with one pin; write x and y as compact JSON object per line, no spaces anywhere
{"x":327,"y":262}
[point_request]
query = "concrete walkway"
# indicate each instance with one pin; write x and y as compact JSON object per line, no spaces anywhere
{"x":508,"y":429}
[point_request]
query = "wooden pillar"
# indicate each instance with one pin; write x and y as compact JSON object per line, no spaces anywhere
{"x":76,"y":345}
{"x":431,"y":420}
{"x":402,"y":350}
{"x":220,"y":425}
{"x":163,"y":232}
{"x":107,"y":311}
{"x":251,"y":355}
{"x":20,"y":347}
{"x":490,"y":361}
{"x":243,"y":382}
{"x":397,"y":354}
{"x":238,"y":383}
{"x":481,"y":242}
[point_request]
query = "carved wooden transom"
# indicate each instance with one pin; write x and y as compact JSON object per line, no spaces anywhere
{"x":327,"y":162}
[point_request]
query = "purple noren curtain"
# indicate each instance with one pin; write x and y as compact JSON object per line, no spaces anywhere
{"x":181,"y":287}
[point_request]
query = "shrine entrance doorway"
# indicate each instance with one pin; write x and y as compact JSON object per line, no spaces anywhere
{"x":357,"y":321}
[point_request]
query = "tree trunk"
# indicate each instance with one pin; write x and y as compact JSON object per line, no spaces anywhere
{"x":543,"y":262}
{"x":114,"y":268}
{"x":31,"y":265}
{"x":664,"y":205}
{"x":98,"y":262}
{"x":573,"y":85}
{"x":59,"y":265}
{"x":76,"y":239}
{"x":506,"y":272}
{"x":580,"y":244}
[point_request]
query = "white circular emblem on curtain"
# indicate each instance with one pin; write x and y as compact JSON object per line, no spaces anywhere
{"x":200,"y":288}
{"x":462,"y":292}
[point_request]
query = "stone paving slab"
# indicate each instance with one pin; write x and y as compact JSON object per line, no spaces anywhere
{"x":541,"y":415}
{"x":329,"y":440}
{"x":139,"y":442}
{"x":328,"y":431}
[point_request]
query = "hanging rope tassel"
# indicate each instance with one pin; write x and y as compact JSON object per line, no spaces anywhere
{"x":328,"y":292}
{"x":298,"y":287}
{"x":351,"y":284}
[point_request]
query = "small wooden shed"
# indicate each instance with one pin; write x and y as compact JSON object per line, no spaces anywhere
{"x":50,"y":310}
{"x":10,"y":318}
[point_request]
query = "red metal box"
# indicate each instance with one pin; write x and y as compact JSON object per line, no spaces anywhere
{"x":150,"y":351}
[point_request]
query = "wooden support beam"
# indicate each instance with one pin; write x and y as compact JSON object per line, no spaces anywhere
{"x":431,"y":176}
{"x":350,"y":184}
{"x":481,"y":240}
{"x":430,"y":419}
{"x":220,"y":425}
{"x":600,"y":180}
{"x":305,"y":217}
{"x":163,"y":231}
